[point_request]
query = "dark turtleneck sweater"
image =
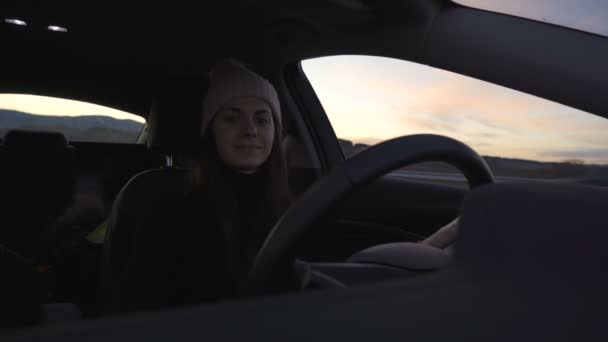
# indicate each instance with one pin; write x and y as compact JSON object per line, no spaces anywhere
{"x":185,"y":256}
{"x":252,"y":222}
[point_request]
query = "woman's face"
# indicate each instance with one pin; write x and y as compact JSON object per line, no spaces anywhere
{"x":244,"y":133}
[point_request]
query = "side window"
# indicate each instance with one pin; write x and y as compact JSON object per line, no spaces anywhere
{"x":78,"y":121}
{"x":521,"y":137}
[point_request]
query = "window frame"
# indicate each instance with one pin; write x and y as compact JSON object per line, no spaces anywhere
{"x":315,"y":119}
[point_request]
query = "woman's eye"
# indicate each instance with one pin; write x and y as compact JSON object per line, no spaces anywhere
{"x":263,"y":121}
{"x":229,"y":118}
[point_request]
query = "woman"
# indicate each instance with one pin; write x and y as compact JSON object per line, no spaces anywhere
{"x":241,"y":171}
{"x":201,"y":247}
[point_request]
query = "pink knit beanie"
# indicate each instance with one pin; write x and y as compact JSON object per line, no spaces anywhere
{"x":229,"y":79}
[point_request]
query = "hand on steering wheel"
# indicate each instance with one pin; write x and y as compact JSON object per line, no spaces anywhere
{"x":277,"y":255}
{"x":444,"y":236}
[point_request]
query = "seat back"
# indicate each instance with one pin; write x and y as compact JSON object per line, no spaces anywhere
{"x":172,"y":129}
{"x":147,"y":192}
{"x":22,"y":297}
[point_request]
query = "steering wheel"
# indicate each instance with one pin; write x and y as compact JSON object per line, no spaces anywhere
{"x":278,"y":251}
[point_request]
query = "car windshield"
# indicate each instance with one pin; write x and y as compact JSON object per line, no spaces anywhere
{"x":78,"y":121}
{"x":585,"y":15}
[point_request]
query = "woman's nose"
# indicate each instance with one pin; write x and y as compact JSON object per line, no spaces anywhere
{"x":249,"y":127}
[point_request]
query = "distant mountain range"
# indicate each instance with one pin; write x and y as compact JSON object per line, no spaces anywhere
{"x":508,"y":167}
{"x":95,"y":128}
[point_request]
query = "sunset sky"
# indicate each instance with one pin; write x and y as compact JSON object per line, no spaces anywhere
{"x":370,"y":99}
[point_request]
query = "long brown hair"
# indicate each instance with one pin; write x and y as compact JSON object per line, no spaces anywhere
{"x":209,"y":178}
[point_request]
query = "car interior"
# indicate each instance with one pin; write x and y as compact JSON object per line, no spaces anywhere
{"x":527,"y":264}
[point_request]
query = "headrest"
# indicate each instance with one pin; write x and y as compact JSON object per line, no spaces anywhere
{"x":535,"y":229}
{"x":175,"y":117}
{"x":35,"y":140}
{"x":37,"y":174}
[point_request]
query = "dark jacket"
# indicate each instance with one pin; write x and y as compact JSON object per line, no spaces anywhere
{"x":184,"y":256}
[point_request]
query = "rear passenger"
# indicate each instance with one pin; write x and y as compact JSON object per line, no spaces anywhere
{"x":37,"y":182}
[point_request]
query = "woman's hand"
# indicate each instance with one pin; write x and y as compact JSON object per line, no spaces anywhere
{"x":445,"y":236}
